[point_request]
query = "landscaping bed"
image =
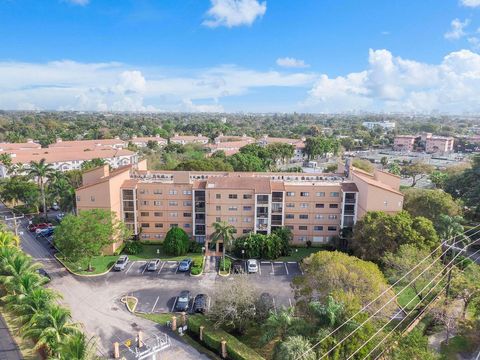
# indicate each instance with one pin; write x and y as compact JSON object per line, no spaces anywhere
{"x":100,"y":265}
{"x":149,"y":251}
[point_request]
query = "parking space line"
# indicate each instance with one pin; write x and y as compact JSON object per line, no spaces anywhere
{"x":260,"y":269}
{"x":161,"y":267}
{"x":174,"y":303}
{"x":156,"y":301}
{"x":126,"y":272}
{"x":292,"y":262}
{"x":274,"y":304}
{"x":144,"y":268}
{"x":273,"y":270}
{"x":290,"y":302}
{"x":286,"y":268}
{"x":177,"y":269}
{"x":265,"y":262}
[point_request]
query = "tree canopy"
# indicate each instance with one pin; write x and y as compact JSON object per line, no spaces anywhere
{"x":430,"y":203}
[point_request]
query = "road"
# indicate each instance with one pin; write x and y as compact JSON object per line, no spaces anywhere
{"x":96,"y":307}
{"x":8,"y":347}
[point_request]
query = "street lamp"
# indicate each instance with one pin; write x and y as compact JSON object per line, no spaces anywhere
{"x":243,"y":254}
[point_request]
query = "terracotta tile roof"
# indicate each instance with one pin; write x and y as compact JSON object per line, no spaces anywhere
{"x":113,"y":173}
{"x":188,"y":137}
{"x":233,"y":138}
{"x":371,"y":181}
{"x":87,"y":143}
{"x":18,"y":146}
{"x":260,"y":185}
{"x":147,"y":139}
{"x":349,"y":187}
{"x":57,"y":155}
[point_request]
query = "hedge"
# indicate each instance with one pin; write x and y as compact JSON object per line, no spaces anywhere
{"x":197,"y":266}
{"x":212,"y":338}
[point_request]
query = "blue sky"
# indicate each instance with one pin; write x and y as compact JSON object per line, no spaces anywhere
{"x":240,"y":55}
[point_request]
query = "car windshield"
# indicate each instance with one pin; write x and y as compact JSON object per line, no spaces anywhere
{"x":252,"y":264}
{"x":182,"y":299}
{"x":120,"y":261}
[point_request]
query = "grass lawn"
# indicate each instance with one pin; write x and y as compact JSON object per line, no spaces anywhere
{"x":405,"y":297}
{"x":158,"y":318}
{"x":457,"y":345}
{"x":149,"y":251}
{"x":100,"y":265}
{"x":299,"y":253}
{"x":252,"y":337}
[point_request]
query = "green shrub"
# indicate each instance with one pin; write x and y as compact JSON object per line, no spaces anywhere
{"x":176,"y":242}
{"x":133,"y":247}
{"x":212,"y":338}
{"x":197,"y":266}
{"x":228,"y":264}
{"x":195,"y":247}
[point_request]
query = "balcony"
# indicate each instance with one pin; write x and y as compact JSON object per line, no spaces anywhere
{"x":349,"y":201}
{"x":199,"y":209}
{"x":349,"y":212}
{"x":277,"y":199}
{"x":277,"y":210}
{"x":277,"y":222}
{"x":262,"y":216}
{"x":262,"y":226}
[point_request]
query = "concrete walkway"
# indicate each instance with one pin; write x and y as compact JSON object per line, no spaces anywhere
{"x":8,"y":347}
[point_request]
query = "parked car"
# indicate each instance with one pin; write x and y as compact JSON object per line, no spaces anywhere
{"x":201,"y":303}
{"x":45,"y":232}
{"x":34,"y":227}
{"x":121,"y":263}
{"x":252,"y":266}
{"x":44,"y":273}
{"x":153,"y":265}
{"x":185,"y":264}
{"x":238,"y":268}
{"x":183,"y":301}
{"x":60,"y":217}
{"x":55,"y":207}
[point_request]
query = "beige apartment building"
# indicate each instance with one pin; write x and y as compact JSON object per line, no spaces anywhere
{"x":404,"y":142}
{"x":314,"y":206}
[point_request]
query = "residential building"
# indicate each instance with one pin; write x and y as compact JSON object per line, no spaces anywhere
{"x":115,"y":143}
{"x":232,"y":138}
{"x":19,"y":146}
{"x":385,"y":125}
{"x":438,"y":144}
{"x":299,"y":145}
{"x":189,"y":139}
{"x":229,"y":147}
{"x":404,"y":142}
{"x":316,"y":207}
{"x":143,"y":141}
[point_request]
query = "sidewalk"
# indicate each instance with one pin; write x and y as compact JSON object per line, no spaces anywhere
{"x":8,"y":347}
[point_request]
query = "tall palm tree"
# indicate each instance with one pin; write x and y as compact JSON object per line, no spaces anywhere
{"x":62,"y":192}
{"x":49,"y":329}
{"x":278,"y":324}
{"x":40,"y":171}
{"x":77,"y":347}
{"x":15,"y":265}
{"x":224,"y":232}
{"x":26,"y":305}
{"x":8,"y":239}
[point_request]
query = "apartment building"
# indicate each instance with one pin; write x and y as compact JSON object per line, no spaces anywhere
{"x":404,"y":142}
{"x":189,"y":139}
{"x":233,"y":138}
{"x":143,"y":141}
{"x":385,"y":125}
{"x":438,"y":144}
{"x":314,"y":206}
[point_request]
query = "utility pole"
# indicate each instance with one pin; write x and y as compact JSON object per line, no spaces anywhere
{"x":15,"y":224}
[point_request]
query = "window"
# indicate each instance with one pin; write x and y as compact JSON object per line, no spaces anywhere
{"x":187,"y":192}
{"x":218,"y":208}
{"x":246,"y":231}
{"x":303,"y":227}
{"x":157,"y":192}
{"x":318,"y":228}
{"x":172,"y":203}
{"x":319,"y":216}
{"x":332,"y":228}
{"x":319,"y":206}
{"x":304,"y":193}
{"x":186,"y":226}
{"x":158,"y":236}
{"x":173,"y":225}
{"x":218,"y":196}
{"x":333,"y":206}
{"x":157,"y":203}
{"x":92,"y":198}
{"x":247,"y":208}
{"x":187,"y":214}
{"x":232,"y":208}
{"x":158,"y":225}
{"x":321,"y":194}
{"x":289,"y":227}
{"x":158,"y":214}
{"x":290,"y":205}
{"x":232,"y":219}
{"x":247,"y":219}
{"x":290,"y":193}
{"x":144,"y":213}
{"x":145,"y":202}
{"x":232,"y":196}
{"x":334,"y":194}
{"x":145,"y":225}
{"x":332,"y":217}
{"x":173,"y":214}
{"x":247,"y":196}
{"x":289,"y":216}
{"x":303,"y":216}
{"x":187,"y":203}
{"x":172,"y":192}
{"x":78,"y":198}
{"x":218,"y":219}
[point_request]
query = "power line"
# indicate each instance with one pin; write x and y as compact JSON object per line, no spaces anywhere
{"x":390,"y":288}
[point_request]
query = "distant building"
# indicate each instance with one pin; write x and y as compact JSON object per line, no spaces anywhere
{"x":386,"y":125}
{"x":189,"y":139}
{"x":143,"y":141}
{"x":115,"y":143}
{"x":438,"y":144}
{"x":404,"y":142}
{"x":299,"y":145}
{"x":233,"y":138}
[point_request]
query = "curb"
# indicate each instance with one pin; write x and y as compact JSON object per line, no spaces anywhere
{"x":125,"y":301}
{"x":203,"y":268}
{"x":82,"y":275}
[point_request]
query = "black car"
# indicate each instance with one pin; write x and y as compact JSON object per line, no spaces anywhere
{"x":183,"y":301}
{"x":238,"y":267}
{"x":201,"y":303}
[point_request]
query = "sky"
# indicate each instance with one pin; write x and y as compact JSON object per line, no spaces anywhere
{"x":241,"y":55}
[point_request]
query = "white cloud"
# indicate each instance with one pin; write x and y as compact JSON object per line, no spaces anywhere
{"x":456,"y":29}
{"x":394,"y":84}
{"x":69,"y":85}
{"x":78,"y":2}
{"x":470,"y":3}
{"x":232,"y":13}
{"x":289,"y":62}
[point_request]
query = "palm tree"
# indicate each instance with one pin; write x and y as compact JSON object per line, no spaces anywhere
{"x":224,"y":232}
{"x":329,"y":313}
{"x":14,"y":265}
{"x":33,"y":301}
{"x":278,"y":325}
{"x":49,"y":329}
{"x":77,"y":347}
{"x":41,"y":170}
{"x":8,"y":239}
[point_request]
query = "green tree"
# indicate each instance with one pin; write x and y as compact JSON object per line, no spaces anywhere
{"x":77,"y":347}
{"x":293,"y":348}
{"x":465,"y":286}
{"x":384,"y":161}
{"x":246,"y":163}
{"x":8,"y":239}
{"x":439,"y":179}
{"x":417,"y":171}
{"x":320,"y":146}
{"x":378,"y":233}
{"x":279,"y":324}
{"x":31,"y":301}
{"x":394,"y":168}
{"x":224,"y":232}
{"x":363,"y":164}
{"x":92,"y":164}
{"x":430,"y":204}
{"x":176,"y":242}
{"x":18,"y":189}
{"x":280,"y":151}
{"x":40,"y":170}
{"x":414,"y":346}
{"x":80,"y":238}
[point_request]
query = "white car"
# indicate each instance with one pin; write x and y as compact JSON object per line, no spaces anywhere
{"x":252,"y":266}
{"x":55,"y":207}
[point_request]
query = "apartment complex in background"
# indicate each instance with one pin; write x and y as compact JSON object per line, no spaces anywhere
{"x":430,"y":143}
{"x":299,"y":144}
{"x":404,"y":142}
{"x":385,"y":125}
{"x":438,"y":144}
{"x":189,"y":139}
{"x":314,"y":206}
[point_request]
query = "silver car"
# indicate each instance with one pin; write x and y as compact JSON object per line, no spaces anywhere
{"x":153,"y":265}
{"x":252,"y":266}
{"x":121,"y":263}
